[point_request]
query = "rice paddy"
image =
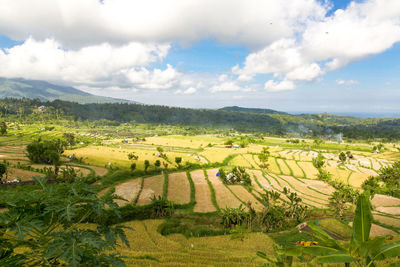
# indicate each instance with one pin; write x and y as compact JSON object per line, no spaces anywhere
{"x":178,"y":188}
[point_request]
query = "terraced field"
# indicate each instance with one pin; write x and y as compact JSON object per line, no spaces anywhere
{"x":202,"y":193}
{"x":149,"y":248}
{"x":178,"y":188}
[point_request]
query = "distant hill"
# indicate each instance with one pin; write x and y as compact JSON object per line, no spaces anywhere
{"x":253,"y":110}
{"x":45,"y":91}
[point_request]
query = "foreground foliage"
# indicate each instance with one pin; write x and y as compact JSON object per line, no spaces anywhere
{"x":43,"y":227}
{"x":362,"y":250}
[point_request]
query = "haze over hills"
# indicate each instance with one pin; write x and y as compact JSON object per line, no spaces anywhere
{"x":253,"y":110}
{"x":45,"y":91}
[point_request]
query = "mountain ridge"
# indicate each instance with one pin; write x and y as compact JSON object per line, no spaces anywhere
{"x":46,"y":91}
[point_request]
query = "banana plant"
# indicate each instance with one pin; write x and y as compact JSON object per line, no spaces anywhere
{"x":362,"y":250}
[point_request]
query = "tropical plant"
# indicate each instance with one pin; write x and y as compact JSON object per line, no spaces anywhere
{"x":263,"y":157}
{"x":338,"y":203}
{"x":361,"y":250}
{"x":133,"y":156}
{"x":3,"y":169}
{"x":3,"y":128}
{"x":178,"y":161}
{"x":133,"y":167}
{"x":161,"y":206}
{"x":269,"y":198}
{"x":319,"y":162}
{"x":146,"y":165}
{"x":157,"y":164}
{"x":232,"y":217}
{"x":47,"y":152}
{"x":295,"y":210}
{"x":342,"y":157}
{"x":43,"y":226}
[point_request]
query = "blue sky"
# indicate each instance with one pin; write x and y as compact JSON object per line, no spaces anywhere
{"x":328,"y":57}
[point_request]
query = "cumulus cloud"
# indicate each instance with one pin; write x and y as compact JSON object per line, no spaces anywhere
{"x":361,"y":30}
{"x":228,"y":86}
{"x":113,"y":43}
{"x":155,"y":79}
{"x":96,"y":65}
{"x":347,"y":82}
{"x":188,"y":91}
{"x":253,"y":23}
{"x":284,"y":85}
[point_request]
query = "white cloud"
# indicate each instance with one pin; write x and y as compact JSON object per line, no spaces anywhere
{"x":155,"y":79}
{"x":188,"y":91}
{"x":362,"y":29}
{"x":305,"y":73}
{"x":347,"y":82}
{"x":75,"y":23}
{"x":279,"y":86}
{"x":112,"y":43}
{"x":222,"y":77}
{"x":225,"y":87}
{"x":93,"y":65}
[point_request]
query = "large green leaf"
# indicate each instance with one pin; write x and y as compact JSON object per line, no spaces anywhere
{"x":362,"y":221}
{"x":321,"y":251}
{"x":291,"y":251}
{"x":324,"y":237}
{"x":391,"y":250}
{"x":336,"y":258}
{"x":387,"y":251}
{"x":372,"y":246}
{"x":264,"y":256}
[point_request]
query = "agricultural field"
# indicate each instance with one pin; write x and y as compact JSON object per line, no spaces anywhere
{"x":195,"y":187}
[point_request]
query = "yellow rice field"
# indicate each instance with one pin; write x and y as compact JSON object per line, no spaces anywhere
{"x":152,"y":186}
{"x":202,"y":193}
{"x":178,"y":188}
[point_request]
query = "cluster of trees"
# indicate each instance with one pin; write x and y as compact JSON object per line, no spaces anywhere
{"x":387,"y":182}
{"x":276,"y":215}
{"x":238,"y":175}
{"x":46,"y":152}
{"x":307,"y":125}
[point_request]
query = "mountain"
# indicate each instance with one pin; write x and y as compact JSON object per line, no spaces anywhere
{"x":253,"y":110}
{"x":45,"y":91}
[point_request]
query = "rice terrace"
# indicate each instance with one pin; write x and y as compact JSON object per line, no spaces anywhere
{"x":200,"y":133}
{"x":212,"y":197}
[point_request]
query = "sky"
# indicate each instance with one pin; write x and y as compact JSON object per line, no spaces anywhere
{"x":291,"y":55}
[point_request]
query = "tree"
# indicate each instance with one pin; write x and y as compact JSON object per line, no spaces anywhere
{"x":319,"y":162}
{"x":165,"y":165}
{"x":178,"y":161}
{"x":133,"y":156}
{"x":146,"y":165}
{"x":47,"y":152}
{"x":161,"y":206}
{"x":362,"y":250}
{"x":3,"y":128}
{"x":338,"y":202}
{"x":157,"y":164}
{"x":133,"y":167}
{"x":47,"y":222}
{"x":69,"y":139}
{"x":263,"y":157}
{"x":342,"y":157}
{"x":3,"y":170}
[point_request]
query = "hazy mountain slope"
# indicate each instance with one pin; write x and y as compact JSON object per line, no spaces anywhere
{"x":19,"y":88}
{"x":253,"y":110}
